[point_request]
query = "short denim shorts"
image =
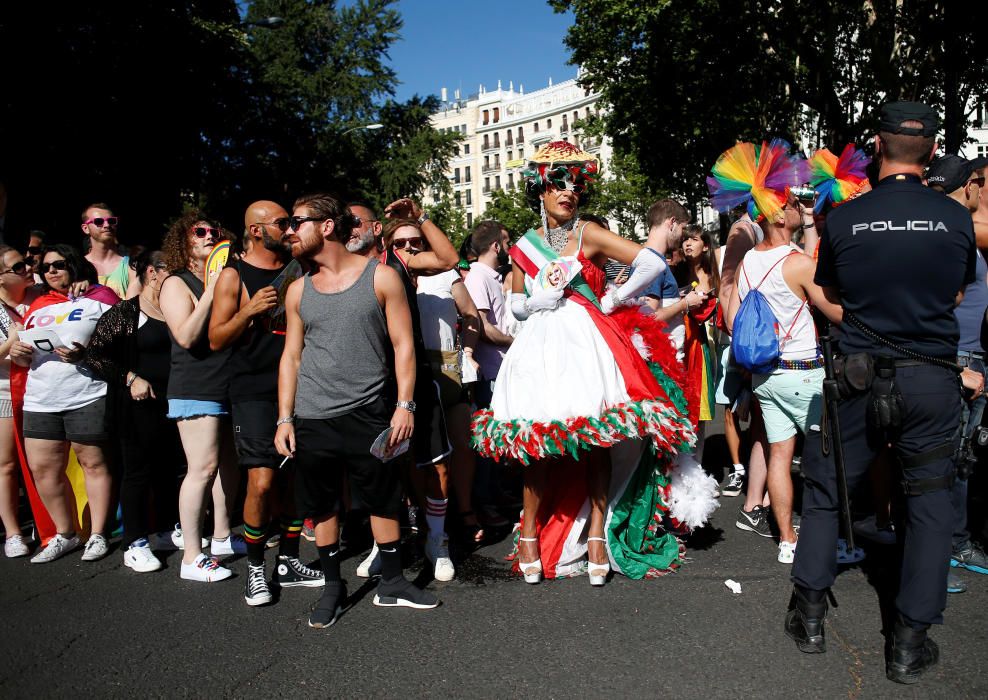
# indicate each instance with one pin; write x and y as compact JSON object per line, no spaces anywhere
{"x":184,"y":409}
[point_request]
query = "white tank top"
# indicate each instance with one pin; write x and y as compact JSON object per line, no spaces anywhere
{"x":790,"y":311}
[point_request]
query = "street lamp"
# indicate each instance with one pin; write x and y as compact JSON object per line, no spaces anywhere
{"x":365,"y":127}
{"x":265,"y":23}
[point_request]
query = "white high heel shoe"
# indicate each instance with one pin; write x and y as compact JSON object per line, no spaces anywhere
{"x":532,"y":571}
{"x":597,"y":572}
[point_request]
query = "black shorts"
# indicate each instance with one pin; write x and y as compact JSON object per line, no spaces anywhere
{"x":430,"y":441}
{"x":88,"y":423}
{"x":326,"y":448}
{"x":254,"y":426}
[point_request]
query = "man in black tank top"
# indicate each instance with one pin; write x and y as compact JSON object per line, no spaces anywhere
{"x":347,"y":320}
{"x":249,"y":316}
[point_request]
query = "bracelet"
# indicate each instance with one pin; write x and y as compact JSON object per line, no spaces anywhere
{"x":131,"y":379}
{"x":423,"y":218}
{"x":282,"y":421}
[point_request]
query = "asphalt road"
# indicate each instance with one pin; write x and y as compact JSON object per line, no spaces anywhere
{"x":99,"y":630}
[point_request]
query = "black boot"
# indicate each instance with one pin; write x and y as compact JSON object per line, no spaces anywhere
{"x":804,"y":621}
{"x":912,"y":654}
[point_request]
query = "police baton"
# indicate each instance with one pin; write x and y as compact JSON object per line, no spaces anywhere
{"x":832,"y":437}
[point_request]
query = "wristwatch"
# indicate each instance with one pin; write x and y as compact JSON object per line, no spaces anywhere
{"x":407,"y":405}
{"x":423,"y":218}
{"x":282,"y":421}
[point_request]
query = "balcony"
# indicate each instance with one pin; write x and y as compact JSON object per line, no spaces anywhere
{"x":564,"y":129}
{"x":487,"y":190}
{"x":491,"y":168}
{"x":496,"y":146}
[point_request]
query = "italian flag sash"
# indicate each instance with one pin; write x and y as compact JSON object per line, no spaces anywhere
{"x":532,"y":253}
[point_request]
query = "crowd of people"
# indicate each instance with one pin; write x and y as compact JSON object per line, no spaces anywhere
{"x":336,"y":360}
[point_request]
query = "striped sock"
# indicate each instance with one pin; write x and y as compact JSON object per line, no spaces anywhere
{"x":290,"y":531}
{"x":254,"y":536}
{"x":435,"y":516}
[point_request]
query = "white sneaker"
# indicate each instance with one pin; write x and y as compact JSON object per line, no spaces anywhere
{"x":141,"y":559}
{"x":57,"y":546}
{"x":170,"y":540}
{"x":787,"y":552}
{"x":96,"y":548}
{"x":205,"y":569}
{"x":437,"y":551}
{"x":232,"y":544}
{"x":15,"y":547}
{"x":371,"y":566}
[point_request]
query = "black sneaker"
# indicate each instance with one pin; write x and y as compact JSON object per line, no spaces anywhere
{"x":330,"y":606}
{"x":292,"y":572}
{"x":402,"y":593}
{"x":735,"y":480}
{"x":256,"y":591}
{"x":971,"y":557}
{"x":755,"y":521}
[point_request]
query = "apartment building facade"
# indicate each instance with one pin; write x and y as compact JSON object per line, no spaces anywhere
{"x":502,"y":129}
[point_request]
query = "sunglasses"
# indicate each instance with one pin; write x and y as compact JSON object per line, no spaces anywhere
{"x":565,"y":178}
{"x":203,"y":231}
{"x":413,"y":243}
{"x":979,"y":181}
{"x":56,"y":265}
{"x":99,"y":221}
{"x":18,"y":268}
{"x":34,"y":249}
{"x":281,"y":223}
{"x":296,"y":222}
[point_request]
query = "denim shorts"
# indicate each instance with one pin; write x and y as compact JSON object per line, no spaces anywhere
{"x":184,"y":409}
{"x":86,"y":424}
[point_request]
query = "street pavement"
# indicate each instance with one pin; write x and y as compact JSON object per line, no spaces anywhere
{"x":99,"y":630}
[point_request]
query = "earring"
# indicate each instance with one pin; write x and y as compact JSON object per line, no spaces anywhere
{"x":545,"y":220}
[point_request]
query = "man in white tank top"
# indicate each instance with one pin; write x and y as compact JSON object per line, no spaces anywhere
{"x":791,"y":396}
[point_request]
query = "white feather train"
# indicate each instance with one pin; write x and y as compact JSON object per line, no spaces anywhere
{"x":692,"y":492}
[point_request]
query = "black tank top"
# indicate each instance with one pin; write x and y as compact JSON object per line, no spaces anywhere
{"x":154,"y":354}
{"x":257,"y":353}
{"x":199,"y":373}
{"x":392,"y":260}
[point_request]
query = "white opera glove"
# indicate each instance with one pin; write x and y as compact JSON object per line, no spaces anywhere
{"x":646,"y":267}
{"x":541,"y":300}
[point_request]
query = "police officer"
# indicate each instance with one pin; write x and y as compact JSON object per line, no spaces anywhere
{"x":875,"y":258}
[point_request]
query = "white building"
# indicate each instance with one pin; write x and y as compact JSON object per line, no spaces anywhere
{"x":502,"y":129}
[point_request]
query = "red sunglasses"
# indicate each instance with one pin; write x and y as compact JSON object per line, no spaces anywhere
{"x":203,"y":231}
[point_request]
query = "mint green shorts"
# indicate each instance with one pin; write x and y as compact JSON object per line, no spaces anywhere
{"x":791,"y":400}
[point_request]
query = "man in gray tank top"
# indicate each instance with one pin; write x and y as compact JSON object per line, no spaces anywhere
{"x":346,"y":318}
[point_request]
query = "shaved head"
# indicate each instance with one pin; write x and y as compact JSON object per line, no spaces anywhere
{"x":260,"y":224}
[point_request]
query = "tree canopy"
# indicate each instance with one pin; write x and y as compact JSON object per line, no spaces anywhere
{"x":151,"y":106}
{"x":684,"y":79}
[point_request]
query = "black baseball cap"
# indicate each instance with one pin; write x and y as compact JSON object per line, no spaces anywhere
{"x":894,"y":113}
{"x":951,"y":172}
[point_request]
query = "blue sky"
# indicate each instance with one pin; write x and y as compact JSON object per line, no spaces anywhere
{"x":463,"y":43}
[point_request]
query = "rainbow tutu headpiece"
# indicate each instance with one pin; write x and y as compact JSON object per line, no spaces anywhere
{"x":838,"y":179}
{"x":756,"y":176}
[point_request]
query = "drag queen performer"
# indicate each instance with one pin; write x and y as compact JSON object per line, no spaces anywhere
{"x":586,"y":399}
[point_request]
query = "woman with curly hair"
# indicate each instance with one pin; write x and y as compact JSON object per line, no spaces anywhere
{"x":197,"y":395}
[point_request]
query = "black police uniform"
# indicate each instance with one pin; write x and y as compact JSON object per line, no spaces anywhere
{"x":898,"y":256}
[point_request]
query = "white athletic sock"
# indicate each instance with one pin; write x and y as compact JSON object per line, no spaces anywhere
{"x":435,"y":517}
{"x":739,"y":468}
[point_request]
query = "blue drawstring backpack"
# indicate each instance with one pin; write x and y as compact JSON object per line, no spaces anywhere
{"x":755,"y":337}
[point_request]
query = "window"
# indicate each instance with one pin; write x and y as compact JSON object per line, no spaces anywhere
{"x":521,"y":151}
{"x":463,"y":128}
{"x":456,"y":176}
{"x":576,"y":115}
{"x":586,"y":113}
{"x":487,"y":117}
{"x":487,"y":142}
{"x":487,"y":162}
{"x":511,"y":155}
{"x":497,"y":161}
{"x":469,"y":197}
{"x":456,"y":198}
{"x":487,"y":184}
{"x":507,"y":138}
{"x":497,"y":140}
{"x":497,"y":114}
{"x":466,"y":149}
{"x":536,"y":128}
{"x":497,"y":182}
{"x":548,"y":123}
{"x":565,"y":123}
{"x":467,"y":174}
{"x":511,"y":181}
{"x":521,"y":135}
{"x":456,"y":150}
{"x":469,"y":220}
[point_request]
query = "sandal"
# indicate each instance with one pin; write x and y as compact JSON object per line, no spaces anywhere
{"x":597,"y":572}
{"x":473,"y":533}
{"x":531,"y":570}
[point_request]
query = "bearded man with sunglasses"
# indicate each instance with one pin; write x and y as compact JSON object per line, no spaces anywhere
{"x":348,"y":342}
{"x":100,"y":225}
{"x":249,"y":316}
